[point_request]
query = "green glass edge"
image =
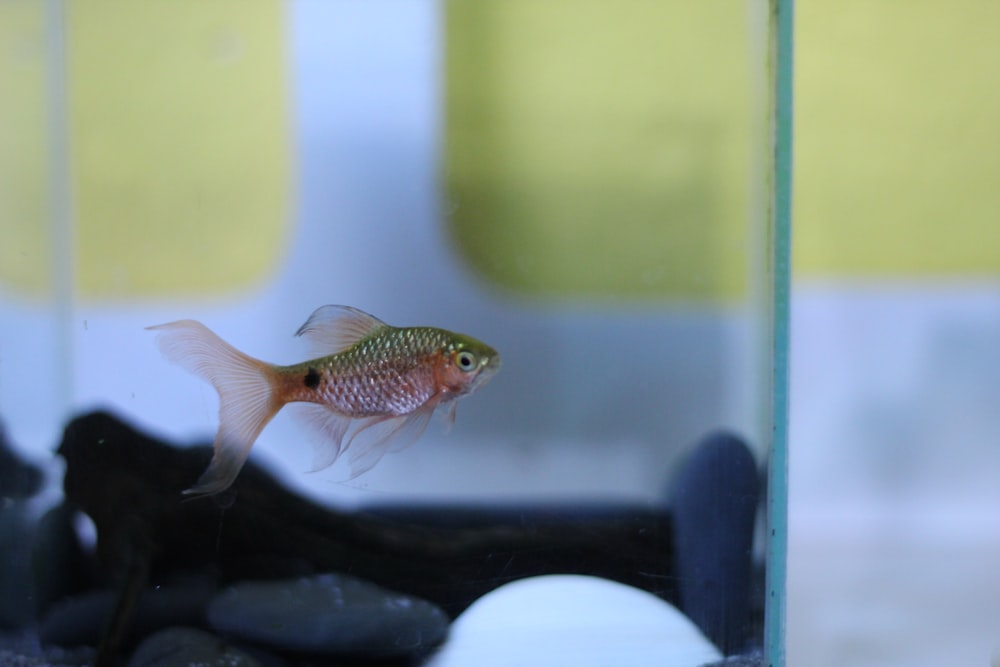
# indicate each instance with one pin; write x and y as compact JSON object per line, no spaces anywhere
{"x":781,"y":49}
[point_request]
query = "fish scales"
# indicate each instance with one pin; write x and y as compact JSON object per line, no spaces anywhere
{"x":390,"y":373}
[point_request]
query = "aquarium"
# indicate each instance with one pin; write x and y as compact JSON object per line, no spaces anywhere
{"x":493,"y":331}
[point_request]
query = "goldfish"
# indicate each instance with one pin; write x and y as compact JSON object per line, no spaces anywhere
{"x":385,"y":382}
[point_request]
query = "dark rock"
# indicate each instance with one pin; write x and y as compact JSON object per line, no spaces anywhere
{"x":17,"y":479}
{"x":60,"y":565}
{"x":83,"y":620}
{"x":17,"y":608}
{"x":715,"y":497}
{"x":183,"y":647}
{"x":18,"y":482}
{"x":328,"y":614}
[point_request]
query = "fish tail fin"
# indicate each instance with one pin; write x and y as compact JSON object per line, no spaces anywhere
{"x":248,"y":399}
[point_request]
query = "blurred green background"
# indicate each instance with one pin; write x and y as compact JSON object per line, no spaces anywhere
{"x":592,"y":148}
{"x":607,"y":148}
{"x":178,"y":154}
{"x":897,"y":139}
{"x":604,"y":149}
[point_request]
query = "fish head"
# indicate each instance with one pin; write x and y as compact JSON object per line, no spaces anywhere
{"x":467,"y":364}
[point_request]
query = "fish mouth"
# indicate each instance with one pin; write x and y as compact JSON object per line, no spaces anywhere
{"x":488,"y":367}
{"x":492,"y":363}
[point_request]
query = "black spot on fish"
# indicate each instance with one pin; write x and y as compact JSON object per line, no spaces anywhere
{"x":312,"y":378}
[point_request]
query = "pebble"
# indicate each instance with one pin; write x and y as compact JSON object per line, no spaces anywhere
{"x":17,"y":605}
{"x":715,"y":501}
{"x":753,"y":658}
{"x":182,"y":647}
{"x":573,"y":620}
{"x":61,"y":567}
{"x":18,"y":479}
{"x":332,"y":614}
{"x":11,"y":659}
{"x":81,"y":620}
{"x":22,"y":649}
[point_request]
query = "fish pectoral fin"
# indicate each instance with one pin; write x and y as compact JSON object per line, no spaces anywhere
{"x":380,"y":434}
{"x":332,"y":329}
{"x":328,"y":428}
{"x":449,"y":415}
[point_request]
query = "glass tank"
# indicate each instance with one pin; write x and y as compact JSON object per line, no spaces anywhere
{"x":379,"y":332}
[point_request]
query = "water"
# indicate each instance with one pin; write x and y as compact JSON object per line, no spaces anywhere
{"x":584,"y":186}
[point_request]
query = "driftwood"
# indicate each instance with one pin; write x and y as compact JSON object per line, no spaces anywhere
{"x":130,"y":485}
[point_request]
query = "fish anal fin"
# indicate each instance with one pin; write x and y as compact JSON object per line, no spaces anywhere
{"x":332,"y":329}
{"x":380,"y":434}
{"x":328,"y":427}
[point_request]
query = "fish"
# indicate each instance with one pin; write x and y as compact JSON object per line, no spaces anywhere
{"x":384,"y":382}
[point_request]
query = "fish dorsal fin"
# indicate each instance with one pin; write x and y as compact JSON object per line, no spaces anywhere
{"x":332,"y":329}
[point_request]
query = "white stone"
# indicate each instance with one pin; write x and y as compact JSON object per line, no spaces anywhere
{"x":573,"y":620}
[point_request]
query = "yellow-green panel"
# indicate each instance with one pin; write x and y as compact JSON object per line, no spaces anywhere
{"x":179,"y":144}
{"x":25,"y":257}
{"x":601,"y":148}
{"x":897,"y":164}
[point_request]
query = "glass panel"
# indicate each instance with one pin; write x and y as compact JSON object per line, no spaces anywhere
{"x":595,"y":193}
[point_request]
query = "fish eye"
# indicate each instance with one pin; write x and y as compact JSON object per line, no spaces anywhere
{"x":465,"y":360}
